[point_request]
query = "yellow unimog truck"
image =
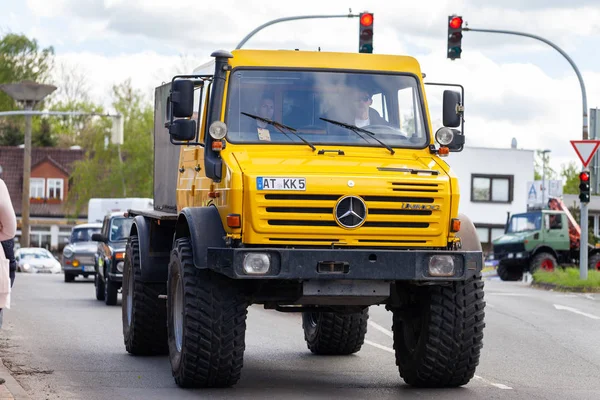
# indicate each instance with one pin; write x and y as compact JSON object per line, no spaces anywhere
{"x":306,"y":182}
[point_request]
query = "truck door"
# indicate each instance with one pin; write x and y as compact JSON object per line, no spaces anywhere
{"x":556,"y":231}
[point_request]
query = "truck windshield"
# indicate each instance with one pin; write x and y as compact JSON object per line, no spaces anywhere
{"x":525,"y":222}
{"x":83,"y":234}
{"x":389,"y":106}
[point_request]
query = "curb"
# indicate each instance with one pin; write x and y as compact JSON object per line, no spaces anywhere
{"x":560,"y":288}
{"x":11,"y":384}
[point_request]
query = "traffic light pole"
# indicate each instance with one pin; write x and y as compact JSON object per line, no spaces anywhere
{"x":583,"y":242}
{"x":275,"y":21}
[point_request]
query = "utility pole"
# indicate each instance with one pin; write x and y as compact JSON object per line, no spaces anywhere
{"x":583,"y":242}
{"x":295,"y":18}
{"x":30,"y":94}
{"x":544,"y":177}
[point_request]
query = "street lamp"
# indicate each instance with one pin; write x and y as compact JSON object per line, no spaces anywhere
{"x":30,"y":94}
{"x":544,"y":177}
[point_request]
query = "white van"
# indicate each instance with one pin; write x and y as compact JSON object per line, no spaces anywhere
{"x":98,"y":208}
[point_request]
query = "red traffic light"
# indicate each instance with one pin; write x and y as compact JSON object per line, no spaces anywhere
{"x":456,"y":22}
{"x":584,"y":176}
{"x":366,"y":19}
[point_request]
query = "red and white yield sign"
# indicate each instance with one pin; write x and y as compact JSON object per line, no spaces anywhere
{"x":585,"y":149}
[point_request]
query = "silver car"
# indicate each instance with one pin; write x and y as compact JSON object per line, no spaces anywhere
{"x":78,"y":257}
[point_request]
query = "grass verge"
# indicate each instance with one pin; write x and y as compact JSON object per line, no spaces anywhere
{"x":569,"y":278}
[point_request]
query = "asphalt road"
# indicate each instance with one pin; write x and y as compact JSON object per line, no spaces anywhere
{"x":60,"y":343}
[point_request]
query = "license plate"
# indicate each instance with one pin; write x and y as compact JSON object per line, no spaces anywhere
{"x":266,"y":183}
{"x":88,"y":269}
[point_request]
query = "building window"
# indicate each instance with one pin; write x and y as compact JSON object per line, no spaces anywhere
{"x":36,"y":188}
{"x":487,"y":234}
{"x":492,"y":188}
{"x":55,"y":189}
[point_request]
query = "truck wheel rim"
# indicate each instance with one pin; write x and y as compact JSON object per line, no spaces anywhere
{"x":548,"y":265}
{"x":129,"y":295}
{"x":597,"y":266}
{"x":178,"y":314}
{"x":313,"y":319}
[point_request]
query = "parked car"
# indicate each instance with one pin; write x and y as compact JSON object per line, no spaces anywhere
{"x":36,"y":260}
{"x":78,"y":255}
{"x":110,"y":256}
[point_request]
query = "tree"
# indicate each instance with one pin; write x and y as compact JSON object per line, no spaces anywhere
{"x":21,"y":58}
{"x":570,"y":174}
{"x":540,"y":160}
{"x":43,"y":137}
{"x":110,"y":171}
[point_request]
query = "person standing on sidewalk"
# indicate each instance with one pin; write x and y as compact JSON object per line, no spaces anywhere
{"x":8,"y":229}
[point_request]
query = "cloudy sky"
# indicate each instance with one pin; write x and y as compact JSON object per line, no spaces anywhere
{"x":515,"y":87}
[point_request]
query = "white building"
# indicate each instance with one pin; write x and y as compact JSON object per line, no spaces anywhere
{"x":493,"y":182}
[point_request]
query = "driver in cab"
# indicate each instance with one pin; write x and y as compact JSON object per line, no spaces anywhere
{"x":364,"y":115}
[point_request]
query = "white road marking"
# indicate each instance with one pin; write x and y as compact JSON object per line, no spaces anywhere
{"x":508,"y":294}
{"x":381,"y":329}
{"x":498,"y":385}
{"x":490,"y":305}
{"x":390,"y":350}
{"x":589,"y":296}
{"x":576,"y":311}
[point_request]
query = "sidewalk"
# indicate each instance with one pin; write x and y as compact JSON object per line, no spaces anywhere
{"x":11,"y":389}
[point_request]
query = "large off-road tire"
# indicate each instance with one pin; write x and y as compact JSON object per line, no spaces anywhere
{"x":69,"y":277}
{"x":99,"y":283}
{"x":543,"y":262}
{"x":438,"y":337}
{"x":110,"y":291}
{"x":144,"y":315}
{"x":594,"y":262}
{"x":509,"y":274}
{"x":206,"y":318}
{"x":334,"y":333}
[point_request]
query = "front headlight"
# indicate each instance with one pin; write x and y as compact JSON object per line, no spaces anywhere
{"x":444,"y":136}
{"x":26,"y":267}
{"x":217,"y":130}
{"x":120,"y":266}
{"x":67,"y":252}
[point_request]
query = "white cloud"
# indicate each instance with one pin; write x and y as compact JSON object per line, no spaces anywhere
{"x":503,"y":100}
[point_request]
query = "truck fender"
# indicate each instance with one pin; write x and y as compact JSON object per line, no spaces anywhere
{"x":154,"y":252}
{"x":204,"y":228}
{"x":544,"y":249}
{"x":468,"y":234}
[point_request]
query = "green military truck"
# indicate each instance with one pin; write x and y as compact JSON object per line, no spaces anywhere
{"x":540,"y":240}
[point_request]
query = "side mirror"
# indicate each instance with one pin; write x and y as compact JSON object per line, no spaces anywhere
{"x":451,"y":115}
{"x":183,"y":129}
{"x":97,"y":237}
{"x":182,"y":98}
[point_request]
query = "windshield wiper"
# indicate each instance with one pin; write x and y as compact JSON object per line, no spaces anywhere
{"x":356,"y":129}
{"x":278,"y":126}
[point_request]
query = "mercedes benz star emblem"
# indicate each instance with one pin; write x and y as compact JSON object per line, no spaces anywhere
{"x":350,"y":212}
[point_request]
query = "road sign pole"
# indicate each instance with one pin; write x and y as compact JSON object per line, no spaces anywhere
{"x":583,"y":241}
{"x":583,"y":246}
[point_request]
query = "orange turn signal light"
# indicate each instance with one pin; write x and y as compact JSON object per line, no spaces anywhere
{"x":120,"y":256}
{"x":217,"y":145}
{"x":234,"y":221}
{"x":443,"y":151}
{"x":455,"y":225}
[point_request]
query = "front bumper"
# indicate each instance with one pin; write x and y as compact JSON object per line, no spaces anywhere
{"x":304,"y":264}
{"x":513,"y":258}
{"x":87,"y":270}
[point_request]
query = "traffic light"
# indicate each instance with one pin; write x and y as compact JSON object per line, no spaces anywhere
{"x":365,"y":33}
{"x":584,"y":187}
{"x":454,"y":36}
